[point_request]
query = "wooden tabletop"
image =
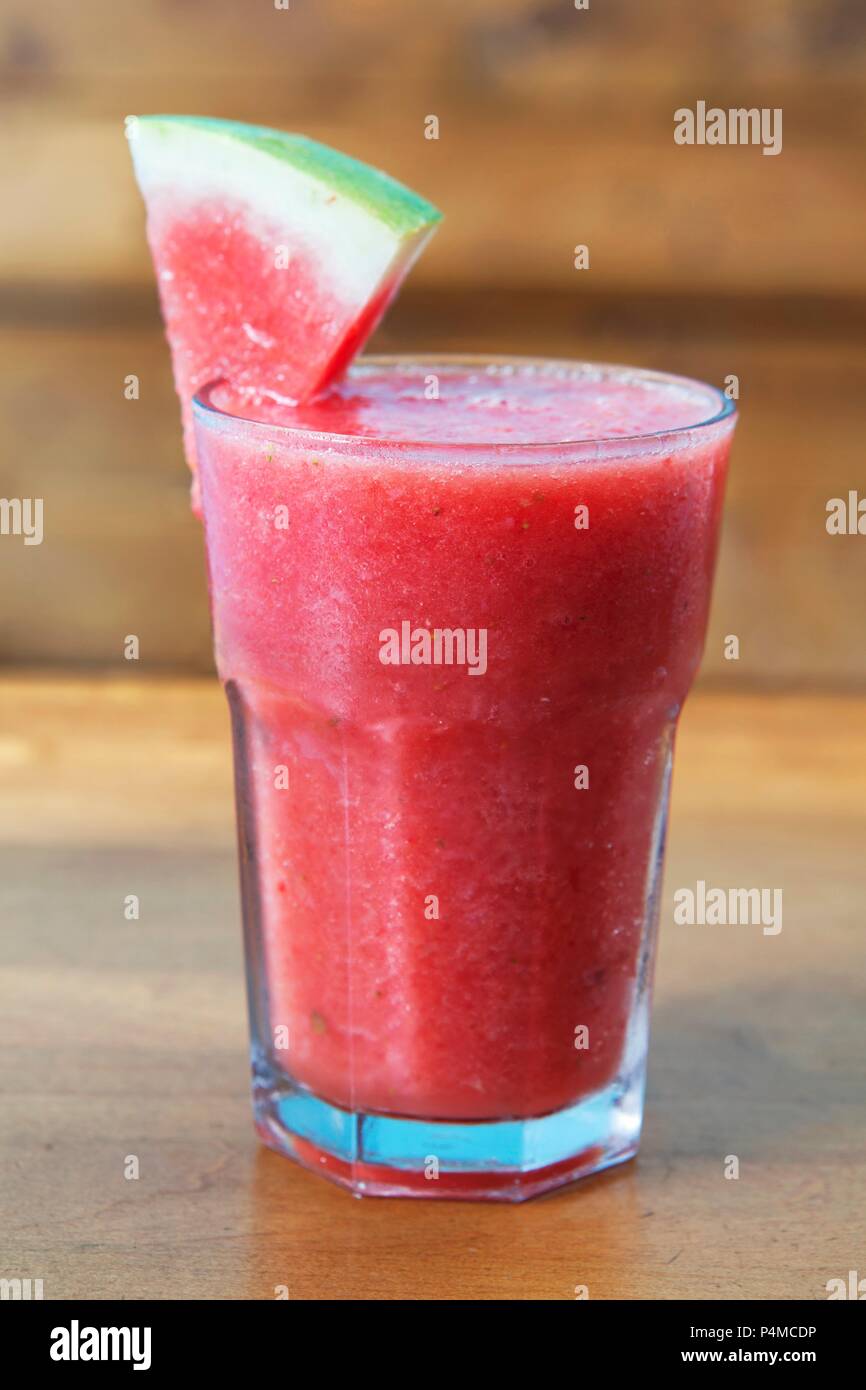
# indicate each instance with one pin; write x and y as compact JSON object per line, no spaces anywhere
{"x":125,"y":1038}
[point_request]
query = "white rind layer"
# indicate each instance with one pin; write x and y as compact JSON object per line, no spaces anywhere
{"x":284,"y":205}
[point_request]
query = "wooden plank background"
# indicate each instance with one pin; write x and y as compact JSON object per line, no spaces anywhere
{"x":556,"y":128}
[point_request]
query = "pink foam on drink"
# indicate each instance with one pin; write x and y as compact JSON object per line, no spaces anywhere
{"x":494,"y":404}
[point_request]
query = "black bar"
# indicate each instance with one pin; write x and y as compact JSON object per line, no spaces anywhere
{"x":199,"y":1336}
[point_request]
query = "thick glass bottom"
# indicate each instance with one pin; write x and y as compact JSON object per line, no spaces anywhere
{"x":496,"y":1160}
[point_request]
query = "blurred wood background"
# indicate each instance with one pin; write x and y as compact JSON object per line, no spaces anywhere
{"x":556,"y":128}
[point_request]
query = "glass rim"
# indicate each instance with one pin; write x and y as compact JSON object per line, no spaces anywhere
{"x":204,"y":407}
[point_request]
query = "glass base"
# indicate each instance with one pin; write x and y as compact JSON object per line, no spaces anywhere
{"x":483,"y":1160}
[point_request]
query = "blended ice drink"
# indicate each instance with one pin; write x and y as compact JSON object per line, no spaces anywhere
{"x":457,"y":605}
{"x":456,"y":647}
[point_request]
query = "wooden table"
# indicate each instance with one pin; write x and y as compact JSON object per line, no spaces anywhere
{"x":129,"y":1038}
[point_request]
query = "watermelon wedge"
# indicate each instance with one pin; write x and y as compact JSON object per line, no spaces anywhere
{"x":275,"y":256}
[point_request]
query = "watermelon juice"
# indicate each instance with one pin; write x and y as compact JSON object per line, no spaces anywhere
{"x":457,"y":606}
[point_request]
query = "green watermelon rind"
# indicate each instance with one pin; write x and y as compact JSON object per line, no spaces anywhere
{"x":390,"y":202}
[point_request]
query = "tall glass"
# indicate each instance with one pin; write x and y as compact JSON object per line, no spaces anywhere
{"x":454,"y":673}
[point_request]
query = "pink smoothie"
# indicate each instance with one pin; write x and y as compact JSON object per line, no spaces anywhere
{"x":440,"y":906}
